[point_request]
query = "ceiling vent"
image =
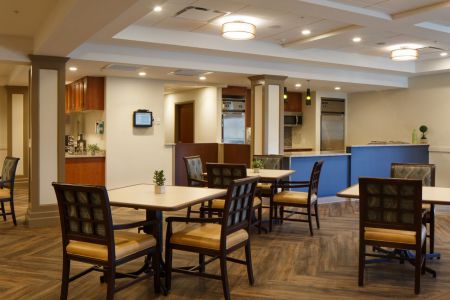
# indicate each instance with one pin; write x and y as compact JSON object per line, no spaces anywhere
{"x":187,"y":72}
{"x":199,"y":14}
{"x":120,"y":67}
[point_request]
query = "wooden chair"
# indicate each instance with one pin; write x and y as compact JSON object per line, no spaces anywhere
{"x":306,"y":200}
{"x":221,"y":176}
{"x":194,"y":171}
{"x":89,"y":236}
{"x":426,"y":173}
{"x":274,"y":162}
{"x":216,"y":237}
{"x":391,"y":216}
{"x":7,"y":186}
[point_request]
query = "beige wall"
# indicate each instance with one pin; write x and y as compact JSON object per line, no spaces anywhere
{"x":3,"y":129}
{"x":392,"y":115}
{"x":207,"y":114}
{"x":132,"y":154}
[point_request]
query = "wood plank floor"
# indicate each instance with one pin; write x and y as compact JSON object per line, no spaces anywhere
{"x":288,"y":264}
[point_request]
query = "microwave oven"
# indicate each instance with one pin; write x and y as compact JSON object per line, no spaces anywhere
{"x":292,"y":119}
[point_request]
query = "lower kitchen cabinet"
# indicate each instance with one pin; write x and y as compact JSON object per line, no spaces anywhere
{"x":85,"y":170}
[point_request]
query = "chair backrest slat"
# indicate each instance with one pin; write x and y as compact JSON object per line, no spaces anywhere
{"x":9,"y":172}
{"x":222,"y":175}
{"x":390,"y":203}
{"x":194,"y":169}
{"x":314,"y":180}
{"x":85,"y":213}
{"x":238,"y":205}
{"x":424,"y":172}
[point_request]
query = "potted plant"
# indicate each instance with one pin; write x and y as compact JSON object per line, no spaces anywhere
{"x":93,"y":148}
{"x":159,"y":180}
{"x":257,"y":165}
{"x":423,"y":129}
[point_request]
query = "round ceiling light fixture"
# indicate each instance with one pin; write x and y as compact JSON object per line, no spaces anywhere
{"x":404,"y":54}
{"x":238,"y":30}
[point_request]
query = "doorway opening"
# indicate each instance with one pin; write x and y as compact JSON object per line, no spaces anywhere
{"x":184,"y":122}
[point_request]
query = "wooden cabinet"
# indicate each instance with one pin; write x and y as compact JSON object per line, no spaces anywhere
{"x":293,"y":102}
{"x":85,"y":170}
{"x":87,"y":93}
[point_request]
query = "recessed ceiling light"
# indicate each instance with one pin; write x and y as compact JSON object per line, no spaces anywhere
{"x":142,"y":73}
{"x":306,"y":32}
{"x":357,"y":39}
{"x":443,"y":54}
{"x":73,"y":69}
{"x":337,"y":88}
{"x":297,"y":85}
{"x":157,"y":8}
{"x":202,"y":78}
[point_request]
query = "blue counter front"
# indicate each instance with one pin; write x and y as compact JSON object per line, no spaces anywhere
{"x":334,"y":175}
{"x":376,"y":160}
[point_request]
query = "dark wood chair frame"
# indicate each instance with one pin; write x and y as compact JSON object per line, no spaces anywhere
{"x":313,"y":187}
{"x":224,"y":177}
{"x":108,"y":268}
{"x":234,"y":218}
{"x":193,"y":182}
{"x":269,"y":193}
{"x":419,"y":261}
{"x":429,"y":216}
{"x":9,"y":183}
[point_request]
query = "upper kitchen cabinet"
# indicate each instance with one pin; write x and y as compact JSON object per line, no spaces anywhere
{"x":87,"y":93}
{"x":294,"y":102}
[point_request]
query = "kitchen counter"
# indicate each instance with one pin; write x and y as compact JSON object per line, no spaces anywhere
{"x":84,"y":155}
{"x":316,"y":153}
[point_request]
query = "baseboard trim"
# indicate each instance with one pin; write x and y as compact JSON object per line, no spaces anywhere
{"x":42,"y":217}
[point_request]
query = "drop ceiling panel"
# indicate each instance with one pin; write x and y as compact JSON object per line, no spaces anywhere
{"x":395,"y":6}
{"x":179,"y":24}
{"x":227,"y":6}
{"x":169,"y":10}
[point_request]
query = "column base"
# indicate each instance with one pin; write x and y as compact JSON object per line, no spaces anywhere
{"x":43,"y":216}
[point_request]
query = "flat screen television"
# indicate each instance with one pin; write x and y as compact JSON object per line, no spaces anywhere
{"x":142,"y":118}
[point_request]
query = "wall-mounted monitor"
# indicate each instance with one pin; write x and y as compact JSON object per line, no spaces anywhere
{"x":142,"y":118}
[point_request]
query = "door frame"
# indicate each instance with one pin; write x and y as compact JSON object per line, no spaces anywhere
{"x":176,"y":121}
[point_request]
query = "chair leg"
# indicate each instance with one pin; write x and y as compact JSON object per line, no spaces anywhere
{"x":432,"y":229}
{"x":65,"y":278}
{"x":13,"y":212}
{"x":201,"y":263}
{"x":424,"y":256}
{"x":316,"y":209}
{"x":3,"y":211}
{"x":417,"y":270}
{"x":281,"y":214}
{"x":168,"y":264}
{"x":110,"y":280}
{"x":156,"y":266}
{"x":259,"y":218}
{"x":362,"y":262}
{"x":310,"y":221}
{"x":271,"y":211}
{"x":188,"y":214}
{"x":224,"y":275}
{"x":248,"y":259}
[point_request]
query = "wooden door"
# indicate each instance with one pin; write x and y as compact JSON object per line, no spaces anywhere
{"x":184,"y":123}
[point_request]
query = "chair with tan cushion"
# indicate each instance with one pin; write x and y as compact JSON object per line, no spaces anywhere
{"x":220,"y":176}
{"x":7,"y":179}
{"x":426,"y":173}
{"x":216,"y":237}
{"x":271,"y":162}
{"x":391,"y":216}
{"x":89,"y":236}
{"x":297,"y":199}
{"x":194,"y":172}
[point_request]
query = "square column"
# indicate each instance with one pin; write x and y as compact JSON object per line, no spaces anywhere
{"x":47,"y":162}
{"x":267,"y":114}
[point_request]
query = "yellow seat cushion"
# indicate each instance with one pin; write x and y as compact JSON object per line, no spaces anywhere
{"x":5,"y":193}
{"x":392,"y":235}
{"x":426,"y":206}
{"x":127,"y":243}
{"x":264,"y":185}
{"x":220,"y":203}
{"x":207,"y":236}
{"x":293,"y":197}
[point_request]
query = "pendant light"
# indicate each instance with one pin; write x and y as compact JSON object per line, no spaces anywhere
{"x":285,"y":95}
{"x":308,"y":95}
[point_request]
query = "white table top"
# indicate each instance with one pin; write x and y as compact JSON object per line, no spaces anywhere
{"x":175,"y":198}
{"x":430,"y":194}
{"x":269,"y":174}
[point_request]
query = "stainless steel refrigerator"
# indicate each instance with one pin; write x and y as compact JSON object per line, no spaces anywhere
{"x":233,"y":127}
{"x":332,"y":125}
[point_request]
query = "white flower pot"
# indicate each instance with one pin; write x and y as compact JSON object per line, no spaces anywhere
{"x":160,"y":189}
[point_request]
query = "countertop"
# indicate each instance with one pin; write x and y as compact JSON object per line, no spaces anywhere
{"x":389,"y":145}
{"x":316,"y":153}
{"x":84,"y":156}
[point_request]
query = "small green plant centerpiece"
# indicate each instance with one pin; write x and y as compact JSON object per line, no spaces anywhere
{"x":93,"y":148}
{"x":423,"y":129}
{"x":257,"y":165}
{"x":159,"y":180}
